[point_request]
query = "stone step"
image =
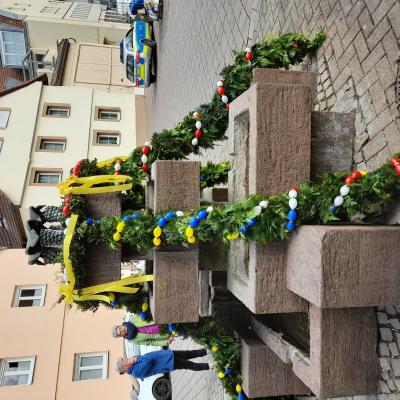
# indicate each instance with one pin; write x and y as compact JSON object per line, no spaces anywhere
{"x":263,"y":373}
{"x":341,"y":357}
{"x":345,"y":266}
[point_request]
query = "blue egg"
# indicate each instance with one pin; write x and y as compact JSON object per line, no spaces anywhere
{"x":162,"y":222}
{"x":243,"y":229}
{"x":143,"y":315}
{"x":113,"y":304}
{"x":201,"y":178}
{"x":291,"y":226}
{"x":240,"y":396}
{"x":171,"y":327}
{"x":141,"y":61}
{"x":141,"y":82}
{"x":292,"y":215}
{"x":194,"y":222}
{"x":170,"y":215}
{"x":127,"y":218}
{"x":89,"y":221}
{"x":227,"y":371}
{"x":202,"y":214}
{"x":334,"y":209}
{"x":251,"y":222}
{"x":136,"y":215}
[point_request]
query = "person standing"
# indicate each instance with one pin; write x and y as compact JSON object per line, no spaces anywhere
{"x":161,"y":361}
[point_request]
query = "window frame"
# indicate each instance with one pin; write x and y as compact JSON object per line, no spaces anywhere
{"x":8,"y":118}
{"x":3,"y":49}
{"x":55,"y":106}
{"x":78,"y":368}
{"x":17,"y":295}
{"x":36,"y":171}
{"x":1,"y":143}
{"x":99,"y":110}
{"x":30,"y":373}
{"x":54,"y":139}
{"x":99,"y":133}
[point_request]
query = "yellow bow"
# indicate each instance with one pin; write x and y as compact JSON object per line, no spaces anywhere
{"x":110,"y":161}
{"x":104,"y":292}
{"x":86,"y":184}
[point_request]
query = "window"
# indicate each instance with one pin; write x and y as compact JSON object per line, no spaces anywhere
{"x":4,"y":117}
{"x":16,"y":371}
{"x":29,"y":296}
{"x":56,"y":110}
{"x":45,"y":176}
{"x":49,"y":143}
{"x":13,"y":49}
{"x":106,"y":138}
{"x":90,"y":366}
{"x":108,"y":114}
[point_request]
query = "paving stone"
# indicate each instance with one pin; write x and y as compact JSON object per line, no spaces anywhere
{"x":392,"y":136}
{"x":395,"y":323}
{"x":386,"y":334}
{"x":390,"y":309}
{"x":383,"y":350}
{"x":395,"y":366}
{"x":394,"y":17}
{"x":382,"y":10}
{"x":382,"y":318}
{"x":379,"y":32}
{"x":374,"y":146}
{"x":378,"y":96}
{"x":380,"y":158}
{"x":379,"y":123}
{"x":394,"y":351}
{"x":391,"y":385}
{"x":397,"y":383}
{"x":384,"y":387}
{"x":372,"y":59}
{"x":397,"y":335}
{"x":385,"y":363}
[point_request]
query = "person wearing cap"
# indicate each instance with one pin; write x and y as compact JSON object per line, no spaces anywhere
{"x":159,"y":362}
{"x":141,"y":332}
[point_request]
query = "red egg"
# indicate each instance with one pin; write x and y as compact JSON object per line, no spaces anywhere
{"x":145,"y":168}
{"x":349,"y":180}
{"x":67,"y":200}
{"x":221,"y":91}
{"x":198,"y":133}
{"x":66,"y":211}
{"x":356,"y":175}
{"x":394,"y":161}
{"x":249,"y":56}
{"x":145,"y":150}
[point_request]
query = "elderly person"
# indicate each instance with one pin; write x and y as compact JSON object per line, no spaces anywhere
{"x":159,"y":362}
{"x":141,"y":332}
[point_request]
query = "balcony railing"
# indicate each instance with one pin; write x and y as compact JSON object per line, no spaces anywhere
{"x":31,"y":64}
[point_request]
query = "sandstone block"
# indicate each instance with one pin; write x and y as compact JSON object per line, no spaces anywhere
{"x":175,"y":185}
{"x":175,"y":296}
{"x":263,"y":373}
{"x":345,"y":266}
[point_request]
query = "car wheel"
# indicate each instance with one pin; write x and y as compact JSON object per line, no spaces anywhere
{"x":162,"y":388}
{"x":148,"y":42}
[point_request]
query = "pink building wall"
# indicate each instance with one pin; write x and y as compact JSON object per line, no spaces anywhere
{"x":54,"y":333}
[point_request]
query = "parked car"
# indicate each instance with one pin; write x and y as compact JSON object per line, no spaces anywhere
{"x":141,"y":10}
{"x":157,"y":387}
{"x":136,"y":52}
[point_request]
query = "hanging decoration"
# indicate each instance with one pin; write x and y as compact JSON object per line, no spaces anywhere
{"x":292,"y":215}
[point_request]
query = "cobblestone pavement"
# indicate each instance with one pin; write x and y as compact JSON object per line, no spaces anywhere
{"x":189,"y":385}
{"x":357,"y":68}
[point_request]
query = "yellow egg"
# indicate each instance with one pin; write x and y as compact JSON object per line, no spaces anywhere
{"x":191,"y":239}
{"x":175,"y":333}
{"x":145,"y":306}
{"x":229,"y":236}
{"x":221,"y":375}
{"x":156,"y":241}
{"x":238,"y":388}
{"x":363,"y":173}
{"x":234,"y":236}
{"x":189,"y":232}
{"x":214,"y":349}
{"x":120,"y":226}
{"x":117,"y":236}
{"x":157,"y":232}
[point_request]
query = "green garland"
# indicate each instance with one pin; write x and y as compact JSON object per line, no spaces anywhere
{"x":214,"y":174}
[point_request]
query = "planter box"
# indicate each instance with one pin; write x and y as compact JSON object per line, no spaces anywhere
{"x":345,"y":266}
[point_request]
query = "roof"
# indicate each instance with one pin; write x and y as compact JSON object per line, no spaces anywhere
{"x":41,"y":78}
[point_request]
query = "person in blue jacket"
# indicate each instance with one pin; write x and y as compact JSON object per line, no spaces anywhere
{"x":159,"y":362}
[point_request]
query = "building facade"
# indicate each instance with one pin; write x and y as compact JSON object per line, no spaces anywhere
{"x":48,"y":350}
{"x":45,"y":130}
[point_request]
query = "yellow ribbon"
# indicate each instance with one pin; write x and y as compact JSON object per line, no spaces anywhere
{"x":104,"y":292}
{"x":86,"y":184}
{"x":110,"y":161}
